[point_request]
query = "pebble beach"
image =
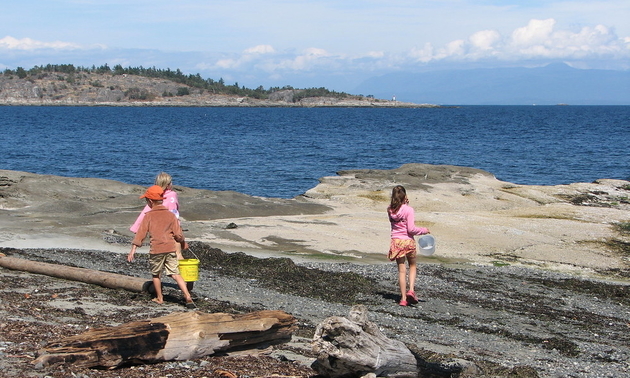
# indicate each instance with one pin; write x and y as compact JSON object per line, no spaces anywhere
{"x":524,"y":279}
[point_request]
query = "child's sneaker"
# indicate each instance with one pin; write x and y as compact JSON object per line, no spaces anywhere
{"x":402,"y":302}
{"x":411,"y":297}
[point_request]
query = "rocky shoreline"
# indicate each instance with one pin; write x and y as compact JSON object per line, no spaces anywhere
{"x":93,"y":89}
{"x":554,"y":306}
{"x":486,"y":321}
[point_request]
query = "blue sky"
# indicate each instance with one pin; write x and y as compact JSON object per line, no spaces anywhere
{"x":336,"y":44}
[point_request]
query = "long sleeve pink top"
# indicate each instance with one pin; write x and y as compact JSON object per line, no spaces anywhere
{"x":402,"y":222}
{"x":170,"y":201}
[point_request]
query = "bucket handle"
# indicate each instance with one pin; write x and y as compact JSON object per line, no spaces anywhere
{"x":191,"y":251}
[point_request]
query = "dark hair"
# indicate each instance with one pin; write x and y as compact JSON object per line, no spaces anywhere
{"x":398,"y":198}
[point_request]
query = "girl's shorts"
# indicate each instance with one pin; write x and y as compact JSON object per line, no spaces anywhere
{"x":164,"y":261}
{"x":400,"y":248}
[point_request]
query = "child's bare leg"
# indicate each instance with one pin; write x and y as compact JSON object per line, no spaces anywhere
{"x":183,"y":287}
{"x":157,"y":284}
{"x":412,"y":272}
{"x":178,"y":251}
{"x":402,"y":277}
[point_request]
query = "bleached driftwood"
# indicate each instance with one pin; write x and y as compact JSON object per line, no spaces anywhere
{"x":178,"y":336}
{"x":354,"y":347}
{"x":91,"y":276}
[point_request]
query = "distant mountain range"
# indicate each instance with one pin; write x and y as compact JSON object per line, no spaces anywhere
{"x":549,"y":85}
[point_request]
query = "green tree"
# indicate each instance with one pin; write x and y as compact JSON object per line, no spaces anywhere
{"x":72,"y":75}
{"x":21,"y":72}
{"x":103,"y":69}
{"x":119,"y":70}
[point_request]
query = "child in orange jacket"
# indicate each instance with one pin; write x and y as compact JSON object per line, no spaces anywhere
{"x":165,"y":232}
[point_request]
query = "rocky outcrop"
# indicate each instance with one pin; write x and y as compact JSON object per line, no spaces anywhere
{"x":90,"y":89}
{"x":473,"y":216}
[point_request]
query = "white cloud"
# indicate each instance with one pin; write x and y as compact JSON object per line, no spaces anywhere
{"x":484,"y":40}
{"x":423,"y":55}
{"x":454,"y":48}
{"x":535,"y":33}
{"x":303,"y":62}
{"x":260,"y":49}
{"x":266,"y":58}
{"x":375,"y":54}
{"x":539,"y":39}
{"x":11,"y":43}
{"x":249,"y":55}
{"x":223,"y":64}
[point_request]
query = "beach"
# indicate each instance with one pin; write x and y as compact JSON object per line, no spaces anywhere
{"x":524,"y":278}
{"x":473,"y":216}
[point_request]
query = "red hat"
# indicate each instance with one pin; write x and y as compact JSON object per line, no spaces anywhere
{"x":154,"y":193}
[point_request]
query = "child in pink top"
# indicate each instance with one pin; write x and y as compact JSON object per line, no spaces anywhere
{"x":165,"y":233}
{"x":171,"y":202}
{"x":403,"y":245}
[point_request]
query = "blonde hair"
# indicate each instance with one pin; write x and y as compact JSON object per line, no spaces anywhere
{"x":163,"y":180}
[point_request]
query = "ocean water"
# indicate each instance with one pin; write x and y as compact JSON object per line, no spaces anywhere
{"x":282,"y":152}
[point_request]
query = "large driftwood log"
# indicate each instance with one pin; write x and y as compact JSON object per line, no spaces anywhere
{"x":354,"y":347}
{"x":178,"y":336}
{"x":91,"y":276}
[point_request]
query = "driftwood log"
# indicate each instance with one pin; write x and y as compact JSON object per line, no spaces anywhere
{"x":91,"y":276}
{"x":178,"y":336}
{"x":354,"y":347}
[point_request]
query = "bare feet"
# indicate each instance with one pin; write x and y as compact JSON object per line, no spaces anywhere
{"x":158,"y":301}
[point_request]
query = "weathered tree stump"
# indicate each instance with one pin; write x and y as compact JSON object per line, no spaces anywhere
{"x":354,"y":347}
{"x":178,"y":336}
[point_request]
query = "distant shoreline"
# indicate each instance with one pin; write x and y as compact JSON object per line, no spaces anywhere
{"x":94,"y":89}
{"x":227,"y":104}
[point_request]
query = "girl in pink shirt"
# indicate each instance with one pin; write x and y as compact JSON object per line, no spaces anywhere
{"x":171,"y":202}
{"x":403,"y":245}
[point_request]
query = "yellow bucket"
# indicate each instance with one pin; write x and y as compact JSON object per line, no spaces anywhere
{"x":189,"y":269}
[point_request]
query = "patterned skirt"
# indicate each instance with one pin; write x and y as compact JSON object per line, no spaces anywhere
{"x":401,"y":248}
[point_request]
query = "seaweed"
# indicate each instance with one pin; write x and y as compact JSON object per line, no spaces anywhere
{"x":283,"y":275}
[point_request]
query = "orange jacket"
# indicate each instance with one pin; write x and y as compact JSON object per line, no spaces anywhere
{"x":163,"y":229}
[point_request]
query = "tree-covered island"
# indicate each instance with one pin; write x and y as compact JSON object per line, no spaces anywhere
{"x":66,"y":84}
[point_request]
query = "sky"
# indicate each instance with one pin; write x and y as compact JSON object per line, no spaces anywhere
{"x":313,"y":43}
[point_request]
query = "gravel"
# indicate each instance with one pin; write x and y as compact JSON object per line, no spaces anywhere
{"x":506,"y":320}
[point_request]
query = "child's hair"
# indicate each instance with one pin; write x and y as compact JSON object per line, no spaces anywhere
{"x":163,"y":180}
{"x":398,"y":198}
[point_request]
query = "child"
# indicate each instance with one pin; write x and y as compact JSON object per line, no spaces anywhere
{"x":165,"y":181}
{"x":165,"y":232}
{"x":403,"y":246}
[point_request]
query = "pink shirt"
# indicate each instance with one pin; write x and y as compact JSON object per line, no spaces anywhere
{"x":170,"y":202}
{"x":402,"y":223}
